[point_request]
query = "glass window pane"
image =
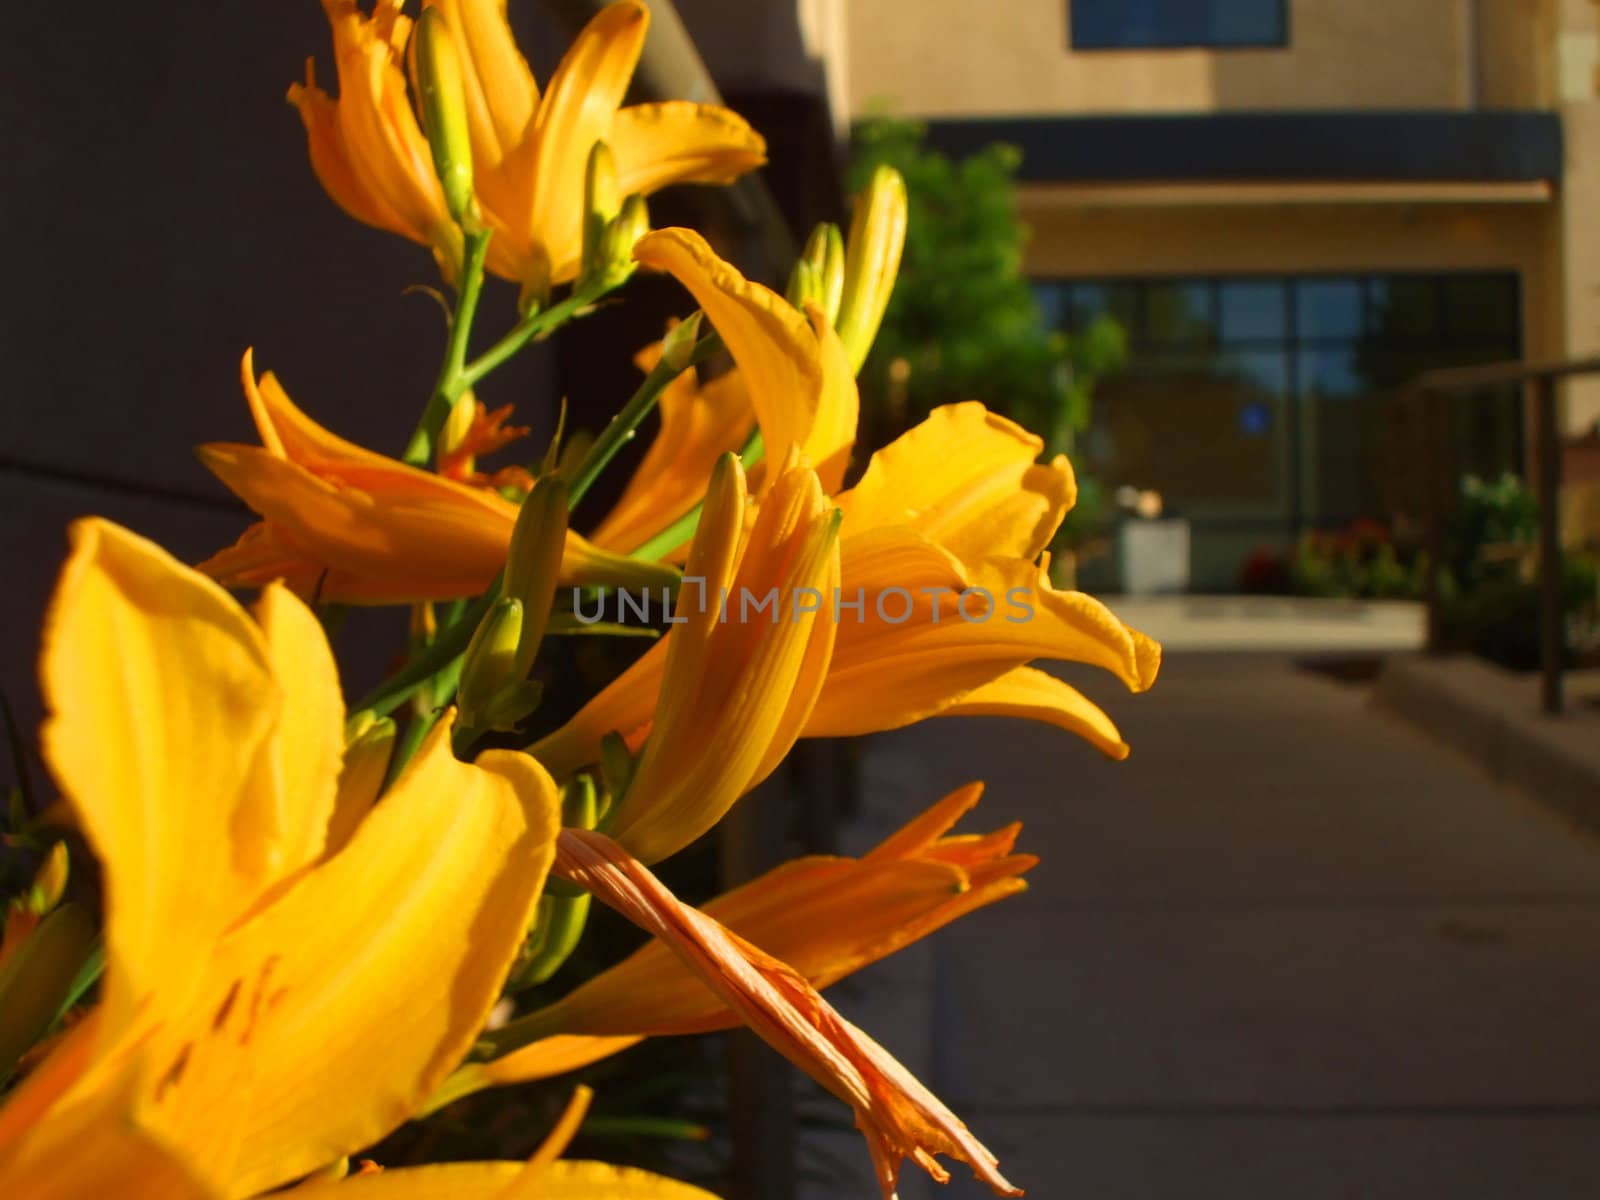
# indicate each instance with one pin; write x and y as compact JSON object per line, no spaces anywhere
{"x":1112,"y":24}
{"x":1478,"y":307}
{"x":1328,"y":308}
{"x":1403,"y":308}
{"x":1176,"y":313}
{"x":1052,"y":301}
{"x":1087,"y":301}
{"x":1254,"y":310}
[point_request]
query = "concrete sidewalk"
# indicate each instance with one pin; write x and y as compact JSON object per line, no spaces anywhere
{"x":1291,"y":948}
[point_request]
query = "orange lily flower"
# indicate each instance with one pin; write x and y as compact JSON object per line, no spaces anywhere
{"x":943,"y":600}
{"x":529,"y":152}
{"x":345,"y":524}
{"x":267,"y":1007}
{"x":827,"y":917}
{"x":897,"y":1115}
{"x":737,"y":688}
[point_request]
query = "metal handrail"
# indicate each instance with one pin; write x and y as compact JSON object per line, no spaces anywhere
{"x":1433,"y":387}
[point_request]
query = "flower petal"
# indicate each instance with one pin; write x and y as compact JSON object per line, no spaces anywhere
{"x":161,"y":701}
{"x":385,"y":958}
{"x":897,"y":1115}
{"x":505,"y":1181}
{"x":577,"y":111}
{"x":965,"y":478}
{"x":798,"y":378}
{"x":679,"y":142}
{"x":826,"y":917}
{"x":1035,"y":695}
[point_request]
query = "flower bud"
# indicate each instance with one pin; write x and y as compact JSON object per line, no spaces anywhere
{"x":824,"y":255}
{"x":444,"y":113}
{"x":601,"y":202}
{"x":614,"y":260}
{"x":490,"y":661}
{"x":533,"y":563}
{"x":871,"y":261}
{"x":677,"y":348}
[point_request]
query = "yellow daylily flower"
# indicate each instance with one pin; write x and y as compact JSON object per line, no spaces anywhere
{"x":529,"y":151}
{"x":738,"y":682}
{"x":942,"y":602}
{"x":266,"y":1007}
{"x":794,"y":370}
{"x":826,"y":916}
{"x":345,"y":524}
{"x":896,"y":1114}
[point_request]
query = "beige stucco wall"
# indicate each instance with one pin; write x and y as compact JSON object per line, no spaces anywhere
{"x":954,"y":57}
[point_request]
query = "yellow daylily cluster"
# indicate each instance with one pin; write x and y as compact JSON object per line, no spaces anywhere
{"x":314,"y":925}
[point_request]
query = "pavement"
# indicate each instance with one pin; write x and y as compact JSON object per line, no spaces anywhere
{"x":1293,"y":947}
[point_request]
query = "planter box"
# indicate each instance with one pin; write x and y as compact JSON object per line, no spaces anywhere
{"x":1154,"y":556}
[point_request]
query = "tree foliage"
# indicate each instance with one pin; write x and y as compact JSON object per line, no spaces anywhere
{"x":963,"y":323}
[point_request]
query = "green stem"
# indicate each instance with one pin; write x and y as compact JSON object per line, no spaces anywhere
{"x":444,"y":649}
{"x":451,"y":382}
{"x":681,"y":530}
{"x":620,"y":430}
{"x":530,"y":327}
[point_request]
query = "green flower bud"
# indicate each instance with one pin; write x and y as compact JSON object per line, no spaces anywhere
{"x":601,"y":203}
{"x":677,"y":348}
{"x":871,"y":261}
{"x":614,"y":260}
{"x":533,"y":563}
{"x":824,"y":258}
{"x":444,"y":113}
{"x":489,"y":665}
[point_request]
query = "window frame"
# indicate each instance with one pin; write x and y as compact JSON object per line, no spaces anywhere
{"x":1282,"y":42}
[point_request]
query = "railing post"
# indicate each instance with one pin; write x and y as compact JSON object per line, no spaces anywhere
{"x":1552,"y":616}
{"x":1427,"y":402}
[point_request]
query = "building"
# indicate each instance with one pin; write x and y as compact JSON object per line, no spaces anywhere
{"x":1293,"y":206}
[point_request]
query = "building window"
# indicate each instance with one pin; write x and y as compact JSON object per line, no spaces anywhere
{"x":1261,"y":406}
{"x":1147,"y":24}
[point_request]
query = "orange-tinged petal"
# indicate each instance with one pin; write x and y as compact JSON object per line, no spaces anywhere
{"x":577,"y":111}
{"x":500,"y":92}
{"x":699,"y":424}
{"x":897,"y":1115}
{"x":967,"y":479}
{"x":679,"y":142}
{"x":385,"y":959}
{"x":1036,"y":695}
{"x":797,"y":376}
{"x":331,"y":159}
{"x":737,"y":687}
{"x":825,"y":916}
{"x":154,"y":755}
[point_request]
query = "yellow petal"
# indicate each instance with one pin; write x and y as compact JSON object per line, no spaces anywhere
{"x":678,"y":142}
{"x":736,"y":691}
{"x":296,"y":781}
{"x":543,"y":1059}
{"x":965,"y":478}
{"x":576,"y":112}
{"x":334,"y":1013}
{"x":161,"y":701}
{"x":1034,"y":695}
{"x":96,"y":1149}
{"x":505,"y":1181}
{"x":797,"y":376}
{"x":366,"y":764}
{"x":887,"y":673}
